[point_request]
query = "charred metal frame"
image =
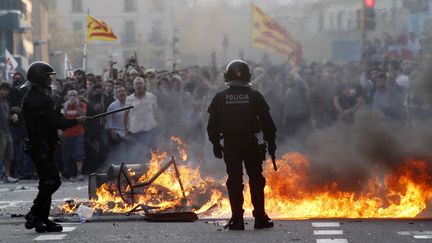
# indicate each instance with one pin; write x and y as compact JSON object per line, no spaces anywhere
{"x":145,"y":184}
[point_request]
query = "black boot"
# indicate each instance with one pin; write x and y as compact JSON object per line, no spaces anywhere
{"x":52,"y":227}
{"x":32,"y":221}
{"x":263,"y":222}
{"x":235,"y":224}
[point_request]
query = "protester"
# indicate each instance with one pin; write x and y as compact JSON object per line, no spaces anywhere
{"x":6,"y":144}
{"x":115,"y":122}
{"x":96,"y":138}
{"x":140,"y":122}
{"x":73,"y":138}
{"x":22,"y":162}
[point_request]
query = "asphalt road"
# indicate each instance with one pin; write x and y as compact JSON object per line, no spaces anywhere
{"x":15,"y":199}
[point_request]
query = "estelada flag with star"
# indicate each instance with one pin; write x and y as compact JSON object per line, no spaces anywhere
{"x":99,"y":30}
{"x":266,"y":33}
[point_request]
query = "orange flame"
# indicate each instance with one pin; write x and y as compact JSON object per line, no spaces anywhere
{"x":289,"y":193}
{"x":182,"y":147}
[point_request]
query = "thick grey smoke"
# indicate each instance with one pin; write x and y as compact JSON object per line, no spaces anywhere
{"x":350,"y":154}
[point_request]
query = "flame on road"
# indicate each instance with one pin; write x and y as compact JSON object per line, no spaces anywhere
{"x":289,"y":193}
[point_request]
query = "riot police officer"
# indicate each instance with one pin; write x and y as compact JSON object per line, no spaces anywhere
{"x":237,"y":114}
{"x":42,"y":122}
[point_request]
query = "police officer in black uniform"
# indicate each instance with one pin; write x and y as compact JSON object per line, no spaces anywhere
{"x":42,"y":122}
{"x":237,"y":114}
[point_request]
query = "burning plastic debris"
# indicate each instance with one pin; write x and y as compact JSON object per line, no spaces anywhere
{"x":290,"y":193}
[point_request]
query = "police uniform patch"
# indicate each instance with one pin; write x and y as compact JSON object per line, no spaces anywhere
{"x":231,"y":99}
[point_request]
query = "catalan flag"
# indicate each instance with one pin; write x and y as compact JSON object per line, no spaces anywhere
{"x":268,"y":34}
{"x":99,"y":30}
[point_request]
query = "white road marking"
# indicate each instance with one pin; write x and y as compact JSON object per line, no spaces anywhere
{"x":50,"y":237}
{"x":328,"y":232}
{"x":423,"y":236}
{"x":415,"y":232}
{"x":325,"y":224}
{"x":30,"y":190}
{"x":9,"y":205}
{"x":55,"y":200}
{"x":332,"y":241}
{"x":68,"y":229}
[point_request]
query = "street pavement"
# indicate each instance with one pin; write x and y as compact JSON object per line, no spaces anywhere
{"x":15,"y":200}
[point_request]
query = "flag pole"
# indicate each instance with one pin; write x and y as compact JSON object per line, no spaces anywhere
{"x":251,"y":26}
{"x":85,"y":46}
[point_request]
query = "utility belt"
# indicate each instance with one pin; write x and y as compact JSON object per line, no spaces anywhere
{"x":262,"y":147}
{"x":240,"y":136}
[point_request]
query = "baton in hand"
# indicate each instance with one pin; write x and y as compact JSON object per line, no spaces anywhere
{"x":110,"y":112}
{"x":273,"y":157}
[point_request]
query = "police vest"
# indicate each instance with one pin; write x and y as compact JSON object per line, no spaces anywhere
{"x":237,"y":109}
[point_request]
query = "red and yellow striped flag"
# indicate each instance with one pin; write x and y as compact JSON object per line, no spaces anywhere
{"x":268,"y":34}
{"x":99,"y":30}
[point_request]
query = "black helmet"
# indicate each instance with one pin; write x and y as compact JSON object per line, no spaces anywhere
{"x":237,"y":74}
{"x":38,"y":74}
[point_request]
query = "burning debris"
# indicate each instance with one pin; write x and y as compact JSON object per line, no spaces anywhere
{"x":160,"y":188}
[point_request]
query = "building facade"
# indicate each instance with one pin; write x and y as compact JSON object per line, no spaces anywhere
{"x":143,"y":27}
{"x":15,"y":32}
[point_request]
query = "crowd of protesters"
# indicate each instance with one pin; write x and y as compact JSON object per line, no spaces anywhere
{"x":309,"y":96}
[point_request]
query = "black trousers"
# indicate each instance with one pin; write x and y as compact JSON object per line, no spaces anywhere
{"x":49,"y":182}
{"x":239,"y":150}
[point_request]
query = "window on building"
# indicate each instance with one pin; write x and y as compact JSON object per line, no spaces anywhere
{"x":130,"y":33}
{"x":156,"y":35}
{"x":158,"y":5}
{"x":11,"y":4}
{"x":77,"y":6}
{"x":130,"y":6}
{"x":77,"y":26}
{"x":52,"y":4}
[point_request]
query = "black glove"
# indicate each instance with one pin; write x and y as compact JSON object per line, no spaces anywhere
{"x":217,"y":150}
{"x":271,"y":147}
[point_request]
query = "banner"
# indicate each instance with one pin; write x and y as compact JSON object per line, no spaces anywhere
{"x":68,"y":67}
{"x":11,"y":65}
{"x":267,"y":34}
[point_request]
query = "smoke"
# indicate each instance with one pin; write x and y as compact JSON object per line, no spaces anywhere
{"x":349,"y":155}
{"x":179,"y":114}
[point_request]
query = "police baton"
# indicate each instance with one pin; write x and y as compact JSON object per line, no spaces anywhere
{"x":273,"y":157}
{"x":110,"y":112}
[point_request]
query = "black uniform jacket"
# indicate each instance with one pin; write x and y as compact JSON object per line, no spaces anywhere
{"x":239,"y":111}
{"x":41,"y":120}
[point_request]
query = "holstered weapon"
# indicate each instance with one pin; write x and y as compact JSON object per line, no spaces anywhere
{"x":263,"y":152}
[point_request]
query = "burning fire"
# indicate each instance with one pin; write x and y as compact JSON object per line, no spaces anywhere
{"x":403,"y":193}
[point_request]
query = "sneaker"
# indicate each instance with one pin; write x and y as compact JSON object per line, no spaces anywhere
{"x":263,"y":222}
{"x":10,"y":179}
{"x":80,"y":177}
{"x":235,"y":224}
{"x":72,"y":179}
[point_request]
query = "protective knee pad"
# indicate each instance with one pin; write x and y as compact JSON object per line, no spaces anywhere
{"x":52,"y":185}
